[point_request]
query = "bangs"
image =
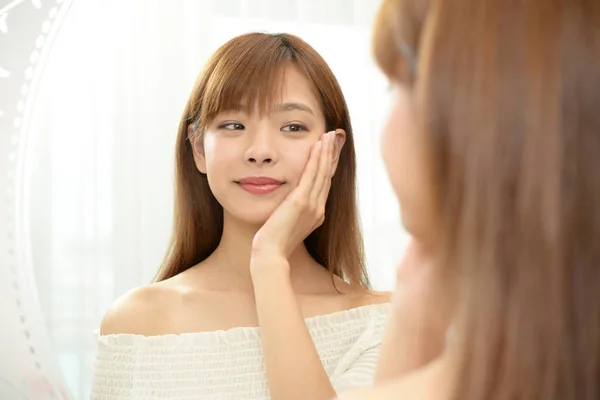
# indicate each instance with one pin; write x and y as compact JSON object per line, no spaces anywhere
{"x":249,"y":74}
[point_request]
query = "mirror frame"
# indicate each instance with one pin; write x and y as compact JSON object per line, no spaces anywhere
{"x":28,"y":28}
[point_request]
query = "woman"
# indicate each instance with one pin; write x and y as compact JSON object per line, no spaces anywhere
{"x":264,"y":291}
{"x":496,"y":115}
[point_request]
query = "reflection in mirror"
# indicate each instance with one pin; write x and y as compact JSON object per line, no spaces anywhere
{"x":104,"y":127}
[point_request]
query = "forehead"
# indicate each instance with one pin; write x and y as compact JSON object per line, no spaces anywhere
{"x":292,"y":92}
{"x":296,"y":88}
{"x":262,"y":89}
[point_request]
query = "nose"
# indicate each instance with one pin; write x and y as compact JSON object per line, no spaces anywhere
{"x":261,"y":149}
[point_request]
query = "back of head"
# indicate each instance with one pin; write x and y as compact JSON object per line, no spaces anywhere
{"x":508,"y":96}
{"x":251,"y":68}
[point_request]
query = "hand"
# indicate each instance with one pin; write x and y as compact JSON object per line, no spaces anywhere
{"x":422,"y":304}
{"x":303,"y":210}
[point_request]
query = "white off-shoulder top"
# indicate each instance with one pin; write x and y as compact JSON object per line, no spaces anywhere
{"x":229,"y":364}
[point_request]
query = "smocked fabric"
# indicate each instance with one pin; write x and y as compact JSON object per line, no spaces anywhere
{"x":229,"y":364}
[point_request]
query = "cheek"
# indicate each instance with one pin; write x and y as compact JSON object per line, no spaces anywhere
{"x":403,"y":150}
{"x":295,"y":154}
{"x":219,"y":154}
{"x":398,"y":151}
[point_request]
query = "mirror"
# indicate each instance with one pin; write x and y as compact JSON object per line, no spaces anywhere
{"x":29,"y":368}
{"x":87,"y":150}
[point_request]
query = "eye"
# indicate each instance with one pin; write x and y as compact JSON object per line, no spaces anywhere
{"x":232,"y":126}
{"x":295,"y":128}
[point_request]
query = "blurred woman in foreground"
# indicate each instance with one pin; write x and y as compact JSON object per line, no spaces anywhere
{"x":493,"y":148}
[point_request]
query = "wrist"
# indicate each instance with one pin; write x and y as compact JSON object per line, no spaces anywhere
{"x":263,"y":264}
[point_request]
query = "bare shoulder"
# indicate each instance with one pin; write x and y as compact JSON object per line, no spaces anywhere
{"x":358,"y":296}
{"x":349,"y":300}
{"x":141,"y":311}
{"x":371,"y":298}
{"x":175,"y":306}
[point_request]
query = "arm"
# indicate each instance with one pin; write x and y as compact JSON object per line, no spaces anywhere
{"x":416,"y":332}
{"x":294,"y":369}
{"x":293,"y":365}
{"x":403,"y":352}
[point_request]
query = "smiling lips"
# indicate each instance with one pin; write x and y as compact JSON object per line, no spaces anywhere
{"x":259,"y":185}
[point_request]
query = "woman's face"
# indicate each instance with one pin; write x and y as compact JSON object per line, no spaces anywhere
{"x":253,"y":163}
{"x":403,"y":148}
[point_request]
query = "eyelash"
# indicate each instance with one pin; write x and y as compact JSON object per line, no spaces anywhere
{"x":224,"y":126}
{"x":299,"y":126}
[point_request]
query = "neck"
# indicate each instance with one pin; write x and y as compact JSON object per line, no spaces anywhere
{"x":230,"y":262}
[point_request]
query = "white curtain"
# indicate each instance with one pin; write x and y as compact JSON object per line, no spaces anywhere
{"x":105,"y":122}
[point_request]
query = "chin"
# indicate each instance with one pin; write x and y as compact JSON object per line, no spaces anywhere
{"x":408,"y":224}
{"x":419,"y":230}
{"x":254,"y":214}
{"x":255,"y":221}
{"x":250,"y":209}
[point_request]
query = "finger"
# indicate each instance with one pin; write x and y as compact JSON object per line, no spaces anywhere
{"x":310,"y":170}
{"x":330,"y":168}
{"x":325,"y":192}
{"x":323,"y":170}
{"x":324,"y":195}
{"x":322,"y":192}
{"x":334,"y":150}
{"x":322,"y":200}
{"x":328,"y":173}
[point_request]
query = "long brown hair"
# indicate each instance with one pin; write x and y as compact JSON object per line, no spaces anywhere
{"x":507,"y":94}
{"x":250,"y":67}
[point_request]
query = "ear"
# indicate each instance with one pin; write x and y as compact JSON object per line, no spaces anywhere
{"x":197,"y":143}
{"x":338,"y":145}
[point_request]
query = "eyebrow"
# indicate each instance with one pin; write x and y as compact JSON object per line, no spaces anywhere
{"x":284,"y":107}
{"x":293,"y":106}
